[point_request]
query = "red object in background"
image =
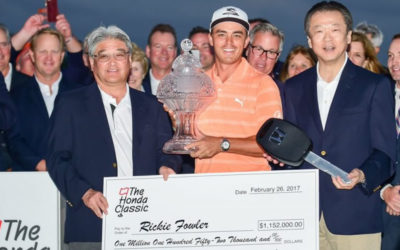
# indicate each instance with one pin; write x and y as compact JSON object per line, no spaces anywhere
{"x":52,"y":10}
{"x":42,"y":11}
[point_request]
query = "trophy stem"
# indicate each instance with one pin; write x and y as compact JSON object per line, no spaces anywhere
{"x":186,"y":133}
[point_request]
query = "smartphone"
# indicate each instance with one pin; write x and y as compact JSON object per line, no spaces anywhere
{"x":52,"y":10}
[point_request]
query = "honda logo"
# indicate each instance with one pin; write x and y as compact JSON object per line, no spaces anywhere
{"x":277,"y":136}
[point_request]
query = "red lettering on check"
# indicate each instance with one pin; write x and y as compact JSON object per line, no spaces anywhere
{"x":123,"y":191}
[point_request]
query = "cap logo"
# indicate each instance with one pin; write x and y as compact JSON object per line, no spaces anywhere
{"x":229,"y":14}
{"x":230,"y":11}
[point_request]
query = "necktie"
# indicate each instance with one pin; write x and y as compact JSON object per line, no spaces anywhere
{"x":112,"y":109}
{"x":398,"y":122}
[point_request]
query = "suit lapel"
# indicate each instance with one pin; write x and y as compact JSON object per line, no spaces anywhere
{"x":135,"y":107}
{"x":96,"y":116}
{"x":342,"y":95}
{"x":138,"y":123}
{"x":313,"y":100}
{"x":62,"y":86}
{"x":37,"y":99}
{"x":146,"y":83}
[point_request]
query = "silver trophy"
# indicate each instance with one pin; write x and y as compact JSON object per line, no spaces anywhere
{"x":186,"y":91}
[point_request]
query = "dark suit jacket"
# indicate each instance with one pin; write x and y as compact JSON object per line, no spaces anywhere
{"x":18,"y":79}
{"x":74,"y":70}
{"x":359,"y":133}
{"x":146,"y":83}
{"x":81,"y":151}
{"x":33,"y":118}
{"x":391,"y":230}
{"x":10,"y":139}
{"x":7,"y":108}
{"x":6,"y":120}
{"x":391,"y":224}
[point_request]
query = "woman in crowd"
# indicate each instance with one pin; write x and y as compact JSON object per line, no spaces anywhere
{"x":362,"y":53}
{"x":140,"y":66}
{"x":299,"y":59}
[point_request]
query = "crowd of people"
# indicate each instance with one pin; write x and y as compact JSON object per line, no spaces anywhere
{"x":87,"y":110}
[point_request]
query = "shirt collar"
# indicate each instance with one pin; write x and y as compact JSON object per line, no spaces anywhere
{"x":7,"y":78}
{"x":237,"y":75}
{"x":108,"y":99}
{"x":45,"y":89}
{"x":339,"y":74}
{"x":153,"y":82}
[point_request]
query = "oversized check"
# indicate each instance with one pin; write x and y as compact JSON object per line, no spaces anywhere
{"x":29,"y":212}
{"x":254,"y":210}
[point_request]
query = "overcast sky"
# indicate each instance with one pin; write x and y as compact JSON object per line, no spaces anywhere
{"x":137,"y":17}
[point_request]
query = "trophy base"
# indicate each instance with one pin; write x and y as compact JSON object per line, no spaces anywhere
{"x":176,"y":146}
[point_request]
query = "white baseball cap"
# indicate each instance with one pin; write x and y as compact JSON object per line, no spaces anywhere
{"x":230,"y":14}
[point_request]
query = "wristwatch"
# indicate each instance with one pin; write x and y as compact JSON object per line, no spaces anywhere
{"x":225,"y":145}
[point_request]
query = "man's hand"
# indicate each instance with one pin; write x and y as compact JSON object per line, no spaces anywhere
{"x":206,"y":147}
{"x":356,"y":176}
{"x":63,"y":26}
{"x":41,"y":166}
{"x":32,"y":25}
{"x":391,"y":196}
{"x":172,"y":116}
{"x":96,"y":201}
{"x":165,"y":172}
{"x":273,"y":160}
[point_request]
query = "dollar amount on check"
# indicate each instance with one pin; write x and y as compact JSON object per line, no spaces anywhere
{"x":252,"y":210}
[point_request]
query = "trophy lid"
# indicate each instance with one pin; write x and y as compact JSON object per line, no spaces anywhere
{"x":187,"y":78}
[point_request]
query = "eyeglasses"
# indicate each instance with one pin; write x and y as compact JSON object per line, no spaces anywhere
{"x":119,"y":56}
{"x":258,"y":51}
{"x":4,"y":44}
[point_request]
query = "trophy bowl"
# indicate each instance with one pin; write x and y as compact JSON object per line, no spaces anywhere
{"x":186,"y":91}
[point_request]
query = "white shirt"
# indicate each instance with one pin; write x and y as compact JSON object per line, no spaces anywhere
{"x":120,"y":124}
{"x":397,"y":102}
{"x":326,"y":92}
{"x":153,"y":83}
{"x":7,"y":78}
{"x":397,"y":105}
{"x":49,"y":93}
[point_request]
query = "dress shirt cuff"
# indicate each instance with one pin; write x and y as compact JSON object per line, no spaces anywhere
{"x":383,"y":190}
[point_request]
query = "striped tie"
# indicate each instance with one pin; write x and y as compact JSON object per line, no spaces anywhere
{"x":398,"y":122}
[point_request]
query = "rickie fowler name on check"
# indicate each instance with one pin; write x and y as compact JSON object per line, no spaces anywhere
{"x":235,"y":210}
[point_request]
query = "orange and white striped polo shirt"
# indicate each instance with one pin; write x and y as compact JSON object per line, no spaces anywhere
{"x":244,"y":102}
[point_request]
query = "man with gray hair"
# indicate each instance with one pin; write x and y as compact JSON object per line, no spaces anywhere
{"x":104,"y":129}
{"x":373,"y":33}
{"x":265,"y":47}
{"x":11,"y":76}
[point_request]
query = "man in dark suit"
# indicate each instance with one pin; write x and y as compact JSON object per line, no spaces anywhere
{"x":161,"y":50}
{"x":73,"y":67}
{"x":104,"y":129}
{"x":7,"y":119}
{"x":35,"y":98}
{"x":391,"y":192}
{"x":348,"y":114}
{"x":12,"y":77}
{"x":9,"y":134}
